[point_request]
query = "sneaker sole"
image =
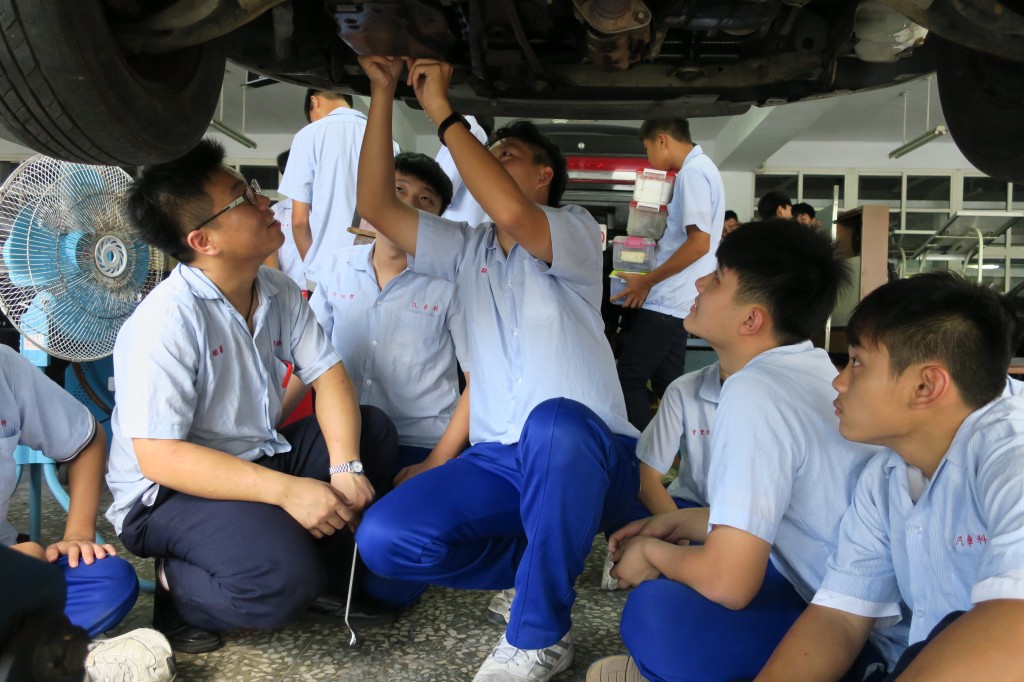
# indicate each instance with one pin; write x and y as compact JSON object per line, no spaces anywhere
{"x":496,"y":618}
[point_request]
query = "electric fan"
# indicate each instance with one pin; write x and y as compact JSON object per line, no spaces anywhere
{"x":72,"y":267}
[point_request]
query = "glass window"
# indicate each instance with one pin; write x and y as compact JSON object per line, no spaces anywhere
{"x":265,"y":175}
{"x":928,"y":191}
{"x":880,"y":189}
{"x":984,"y":193}
{"x":926,"y":221}
{"x":7,"y":167}
{"x":818,"y":189}
{"x":1018,"y":196}
{"x":787,"y":184}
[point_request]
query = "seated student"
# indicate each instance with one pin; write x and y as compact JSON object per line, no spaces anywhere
{"x":393,"y":328}
{"x":779,"y":478}
{"x":731,"y":222}
{"x":804,"y":214}
{"x":775,"y":205}
{"x":250,"y":523}
{"x":34,"y":411}
{"x":551,"y":461}
{"x":936,"y":519}
{"x":681,"y":427}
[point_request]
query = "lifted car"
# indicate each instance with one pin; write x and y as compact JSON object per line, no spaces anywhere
{"x":136,"y":81}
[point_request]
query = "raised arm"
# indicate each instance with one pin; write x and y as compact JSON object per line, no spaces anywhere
{"x":375,"y":187}
{"x":513,"y":208}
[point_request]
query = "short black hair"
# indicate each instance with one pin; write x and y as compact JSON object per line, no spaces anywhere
{"x":676,"y":128}
{"x":803,"y":209}
{"x":790,"y":270}
{"x":545,"y":153}
{"x":307,"y":105}
{"x":941,"y":317}
{"x":770,"y":202}
{"x":731,"y":214}
{"x":169,"y":199}
{"x":425,"y":169}
{"x":282,"y":161}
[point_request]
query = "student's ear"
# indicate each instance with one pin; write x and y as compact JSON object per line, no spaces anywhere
{"x":547,"y":174}
{"x":756,"y":321}
{"x":932,"y":385}
{"x":200,"y":242}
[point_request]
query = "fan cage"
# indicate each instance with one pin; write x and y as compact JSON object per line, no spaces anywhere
{"x":72,"y":268}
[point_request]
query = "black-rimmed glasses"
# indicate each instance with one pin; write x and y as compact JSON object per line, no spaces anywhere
{"x":252,"y":190}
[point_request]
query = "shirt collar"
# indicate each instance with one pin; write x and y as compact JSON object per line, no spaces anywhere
{"x":345,"y":111}
{"x":202,"y":287}
{"x":361,"y":257}
{"x":711,"y":387}
{"x":800,"y":347}
{"x":957,"y":451}
{"x":694,"y":153}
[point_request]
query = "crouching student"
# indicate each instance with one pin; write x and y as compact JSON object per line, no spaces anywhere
{"x":551,"y":461}
{"x":778,"y":481}
{"x":936,"y":519}
{"x":394,"y":328}
{"x":34,"y":411}
{"x":250,"y":524}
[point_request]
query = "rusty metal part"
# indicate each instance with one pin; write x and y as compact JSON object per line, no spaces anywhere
{"x":613,"y":16}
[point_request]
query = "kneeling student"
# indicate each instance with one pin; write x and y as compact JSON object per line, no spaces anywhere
{"x":394,"y":328}
{"x":936,"y":518}
{"x":779,"y":478}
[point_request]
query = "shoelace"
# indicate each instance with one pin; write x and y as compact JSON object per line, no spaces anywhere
{"x":506,"y":653}
{"x":112,"y":671}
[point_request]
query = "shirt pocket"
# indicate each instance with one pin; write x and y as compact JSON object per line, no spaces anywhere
{"x":418,"y":333}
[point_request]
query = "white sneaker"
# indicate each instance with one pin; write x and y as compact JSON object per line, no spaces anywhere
{"x":507,"y":663}
{"x":141,"y":655}
{"x":501,"y":606}
{"x":607,"y":581}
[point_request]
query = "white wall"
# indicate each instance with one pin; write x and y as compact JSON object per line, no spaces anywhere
{"x":939,"y":155}
{"x":739,"y":193}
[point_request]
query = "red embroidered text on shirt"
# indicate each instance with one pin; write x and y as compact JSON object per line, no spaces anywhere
{"x":970,"y":540}
{"x":426,"y":306}
{"x":703,"y":432}
{"x":219,"y":350}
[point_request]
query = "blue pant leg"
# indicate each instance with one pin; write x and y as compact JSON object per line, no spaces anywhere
{"x":576,"y":477}
{"x":100,"y":594}
{"x":457,"y":525}
{"x":677,"y":635}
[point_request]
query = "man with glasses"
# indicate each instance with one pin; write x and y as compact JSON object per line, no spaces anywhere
{"x":249,"y":524}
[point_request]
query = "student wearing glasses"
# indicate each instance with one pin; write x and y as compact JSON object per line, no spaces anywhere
{"x":249,"y":524}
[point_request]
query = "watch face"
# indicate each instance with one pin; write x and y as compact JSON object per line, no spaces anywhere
{"x":356,"y":467}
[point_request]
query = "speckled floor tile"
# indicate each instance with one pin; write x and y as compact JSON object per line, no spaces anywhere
{"x":444,"y":638}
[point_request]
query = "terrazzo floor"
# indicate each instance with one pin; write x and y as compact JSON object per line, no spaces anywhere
{"x":444,"y":638}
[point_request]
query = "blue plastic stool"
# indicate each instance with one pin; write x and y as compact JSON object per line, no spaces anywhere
{"x":40,"y":466}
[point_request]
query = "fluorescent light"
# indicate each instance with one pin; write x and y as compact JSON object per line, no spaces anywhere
{"x":920,"y":141}
{"x":233,"y":134}
{"x":985,"y":266}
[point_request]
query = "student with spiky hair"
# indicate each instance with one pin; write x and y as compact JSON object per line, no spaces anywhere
{"x":935,"y":525}
{"x":779,"y":477}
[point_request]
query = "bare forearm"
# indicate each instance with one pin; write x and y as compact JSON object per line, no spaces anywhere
{"x":697,"y":245}
{"x":652,"y":493}
{"x":820,"y":646}
{"x":85,"y":481}
{"x":375,"y":184}
{"x":208,"y":473}
{"x":337,"y":410}
{"x":986,"y":643}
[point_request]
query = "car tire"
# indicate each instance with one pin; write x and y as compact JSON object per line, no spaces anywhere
{"x":68,"y":91}
{"x":983,"y":102}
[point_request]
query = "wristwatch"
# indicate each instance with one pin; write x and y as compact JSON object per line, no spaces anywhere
{"x":355,"y":467}
{"x":452,"y":119}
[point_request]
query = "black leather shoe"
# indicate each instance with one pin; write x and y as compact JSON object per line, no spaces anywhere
{"x":183,"y":637}
{"x":365,"y":611}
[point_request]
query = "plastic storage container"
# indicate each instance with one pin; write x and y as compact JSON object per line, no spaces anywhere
{"x":633,"y":254}
{"x":646,"y":222}
{"x":653,"y":187}
{"x":617,"y":285}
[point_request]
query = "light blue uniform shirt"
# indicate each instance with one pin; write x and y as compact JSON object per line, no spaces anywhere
{"x":188,"y":369}
{"x":321,"y":172}
{"x":534,"y":331}
{"x":682,"y":425}
{"x":288,"y":254}
{"x":961,"y":543}
{"x":396,"y":344}
{"x":779,"y":468}
{"x":697,"y":199}
{"x":36,"y":412}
